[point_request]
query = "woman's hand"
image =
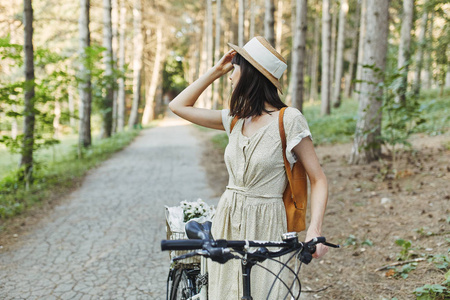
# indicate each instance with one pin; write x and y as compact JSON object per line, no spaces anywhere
{"x":321,"y":249}
{"x":223,"y":66}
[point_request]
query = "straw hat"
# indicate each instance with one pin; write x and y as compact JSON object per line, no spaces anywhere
{"x":263,"y":57}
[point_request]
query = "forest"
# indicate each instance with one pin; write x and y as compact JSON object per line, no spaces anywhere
{"x":79,"y":80}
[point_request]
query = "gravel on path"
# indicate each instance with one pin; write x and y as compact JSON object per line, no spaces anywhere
{"x":103,"y":242}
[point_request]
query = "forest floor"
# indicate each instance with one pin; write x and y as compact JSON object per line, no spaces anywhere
{"x":368,"y":210}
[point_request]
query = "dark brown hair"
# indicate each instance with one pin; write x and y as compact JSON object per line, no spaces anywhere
{"x":252,"y":91}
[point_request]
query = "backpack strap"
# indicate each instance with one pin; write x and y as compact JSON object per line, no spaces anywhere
{"x":287,"y":166}
{"x":235,"y":119}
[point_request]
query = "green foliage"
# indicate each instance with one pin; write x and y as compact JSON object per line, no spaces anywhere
{"x":403,"y":271}
{"x":173,"y":75}
{"x":434,"y":291}
{"x":441,"y":261}
{"x":405,"y":253}
{"x":50,"y":85}
{"x":56,"y":176}
{"x":435,"y":110}
{"x":339,"y":127}
{"x":352,"y":240}
{"x":220,"y":140}
{"x":401,"y":115}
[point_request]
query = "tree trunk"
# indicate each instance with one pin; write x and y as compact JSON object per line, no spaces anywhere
{"x":366,"y":145}
{"x":108,"y":97}
{"x":149,"y":111}
{"x":121,"y":85}
{"x":138,"y":44}
{"x":84,"y":85}
{"x":420,"y":50}
{"x":340,"y":54}
{"x":447,"y":77}
{"x":333,"y":44}
{"x":269,"y":22}
{"x":56,"y":123}
{"x":362,"y":36}
{"x":252,"y":18}
{"x":14,"y":124}
{"x":203,"y":61}
{"x":209,"y":50}
{"x":279,"y":34}
{"x":313,"y":94}
{"x":325,"y":80}
{"x":71,"y":103}
{"x":354,"y":53}
{"x":218,"y":37}
{"x":298,"y":54}
{"x":428,"y":74}
{"x":115,"y":47}
{"x":26,"y":160}
{"x":241,"y":23}
{"x":404,"y":50}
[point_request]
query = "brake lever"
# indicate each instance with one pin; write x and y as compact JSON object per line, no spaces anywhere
{"x":305,"y":256}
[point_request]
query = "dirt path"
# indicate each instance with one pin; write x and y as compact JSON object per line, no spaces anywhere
{"x":368,"y":210}
{"x":102,"y":242}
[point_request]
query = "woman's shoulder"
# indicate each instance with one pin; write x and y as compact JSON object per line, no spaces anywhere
{"x":292,"y":113}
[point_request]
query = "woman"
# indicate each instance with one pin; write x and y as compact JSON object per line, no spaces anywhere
{"x":252,"y":205}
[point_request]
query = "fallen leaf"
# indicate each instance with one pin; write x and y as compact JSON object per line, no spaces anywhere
{"x":390,"y":273}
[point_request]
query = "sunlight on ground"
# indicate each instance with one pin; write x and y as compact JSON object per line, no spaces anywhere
{"x":173,"y":120}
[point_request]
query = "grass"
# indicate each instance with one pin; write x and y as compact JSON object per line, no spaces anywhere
{"x":339,"y":127}
{"x":56,"y":171}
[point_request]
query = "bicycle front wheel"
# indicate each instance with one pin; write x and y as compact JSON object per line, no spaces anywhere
{"x":182,"y":287}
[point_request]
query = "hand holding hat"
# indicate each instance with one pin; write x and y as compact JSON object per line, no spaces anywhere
{"x":224,"y":64}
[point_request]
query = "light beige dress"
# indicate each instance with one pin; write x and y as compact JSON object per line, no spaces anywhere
{"x":252,"y":205}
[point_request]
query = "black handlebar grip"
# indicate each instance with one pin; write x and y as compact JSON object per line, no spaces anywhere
{"x":321,"y":239}
{"x":181,"y":244}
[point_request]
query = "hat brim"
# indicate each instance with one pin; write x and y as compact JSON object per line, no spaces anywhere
{"x":260,"y":68}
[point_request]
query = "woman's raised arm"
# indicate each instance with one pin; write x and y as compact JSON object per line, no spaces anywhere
{"x":183,"y":104}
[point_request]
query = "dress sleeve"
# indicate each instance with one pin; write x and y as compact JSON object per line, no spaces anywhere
{"x":296,"y":129}
{"x":226,"y":120}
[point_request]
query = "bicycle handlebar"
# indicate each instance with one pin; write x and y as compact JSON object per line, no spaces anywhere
{"x":218,"y":250}
{"x":181,"y":244}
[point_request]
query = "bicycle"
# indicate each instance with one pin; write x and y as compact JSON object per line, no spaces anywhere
{"x":191,"y":283}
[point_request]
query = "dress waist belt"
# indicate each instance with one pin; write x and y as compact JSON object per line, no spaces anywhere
{"x":252,"y":193}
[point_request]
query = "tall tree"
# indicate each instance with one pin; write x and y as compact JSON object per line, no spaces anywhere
{"x":340,"y":54}
{"x":366,"y":146}
{"x":269,"y":22}
{"x":252,"y":17}
{"x":149,"y":111}
{"x":279,"y":34}
{"x":121,"y":66}
{"x":241,"y":26}
{"x":326,"y":49}
{"x":138,"y":43}
{"x":353,"y":51}
{"x":404,"y":50}
{"x":313,"y":94}
{"x":428,"y":70}
{"x":84,"y":76}
{"x":447,"y":77}
{"x":362,"y":36}
{"x":217,"y":52}
{"x":420,"y":51}
{"x":115,"y":46}
{"x":108,"y":97}
{"x":333,"y":11}
{"x":298,"y":54}
{"x":26,"y":160}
